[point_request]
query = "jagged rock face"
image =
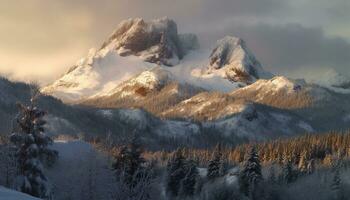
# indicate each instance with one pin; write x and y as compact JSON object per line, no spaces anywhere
{"x":156,"y":41}
{"x":233,"y":60}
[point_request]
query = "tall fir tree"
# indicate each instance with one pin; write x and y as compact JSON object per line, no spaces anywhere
{"x":188,"y":183}
{"x":287,"y":175}
{"x":336,"y":185}
{"x":32,"y":146}
{"x":215,"y":164}
{"x":176,"y":171}
{"x":272,"y":175}
{"x":250,"y":176}
{"x":129,"y":162}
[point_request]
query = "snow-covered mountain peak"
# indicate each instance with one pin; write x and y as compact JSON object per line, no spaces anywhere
{"x":233,"y":60}
{"x":138,"y":45}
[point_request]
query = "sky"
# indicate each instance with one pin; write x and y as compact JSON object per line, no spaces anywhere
{"x":41,"y":39}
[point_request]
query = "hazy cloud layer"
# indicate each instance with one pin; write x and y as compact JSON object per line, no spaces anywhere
{"x":40,"y":39}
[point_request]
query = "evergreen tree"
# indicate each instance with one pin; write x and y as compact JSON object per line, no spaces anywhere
{"x":176,"y":171}
{"x":250,"y":175}
{"x":32,"y":147}
{"x":215,"y":164}
{"x":311,"y":166}
{"x":287,"y":175}
{"x":336,"y":185}
{"x":303,"y":163}
{"x":188,"y":183}
{"x":272,"y":175}
{"x":129,"y":161}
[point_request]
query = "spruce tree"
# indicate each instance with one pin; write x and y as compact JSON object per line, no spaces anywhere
{"x":336,"y":185}
{"x":32,"y":148}
{"x":287,"y":175}
{"x":176,"y":171}
{"x":250,"y":175}
{"x":215,"y":164}
{"x":188,"y":183}
{"x":311,"y":166}
{"x":272,"y":175}
{"x":129,"y":162}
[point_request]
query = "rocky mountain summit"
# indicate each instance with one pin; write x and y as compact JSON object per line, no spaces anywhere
{"x":156,"y":41}
{"x":233,"y":60}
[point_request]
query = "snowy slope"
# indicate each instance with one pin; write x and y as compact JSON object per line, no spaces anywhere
{"x":257,"y":122}
{"x":154,"y":90}
{"x":86,"y":172}
{"x":280,"y":92}
{"x":7,"y":194}
{"x":149,"y":80}
{"x":97,"y":73}
{"x":206,"y":106}
{"x":237,"y":117}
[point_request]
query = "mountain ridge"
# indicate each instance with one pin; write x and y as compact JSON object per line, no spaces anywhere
{"x":120,"y":57}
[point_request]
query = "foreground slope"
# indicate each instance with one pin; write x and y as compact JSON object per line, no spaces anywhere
{"x":7,"y":194}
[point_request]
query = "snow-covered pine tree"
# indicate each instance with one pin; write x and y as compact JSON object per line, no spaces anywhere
{"x":272,"y":175}
{"x":215,"y":164}
{"x":129,"y":161}
{"x":176,"y":171}
{"x":32,"y":146}
{"x":287,"y":175}
{"x":336,"y":185}
{"x":250,"y":175}
{"x":139,"y":191}
{"x":188,"y":183}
